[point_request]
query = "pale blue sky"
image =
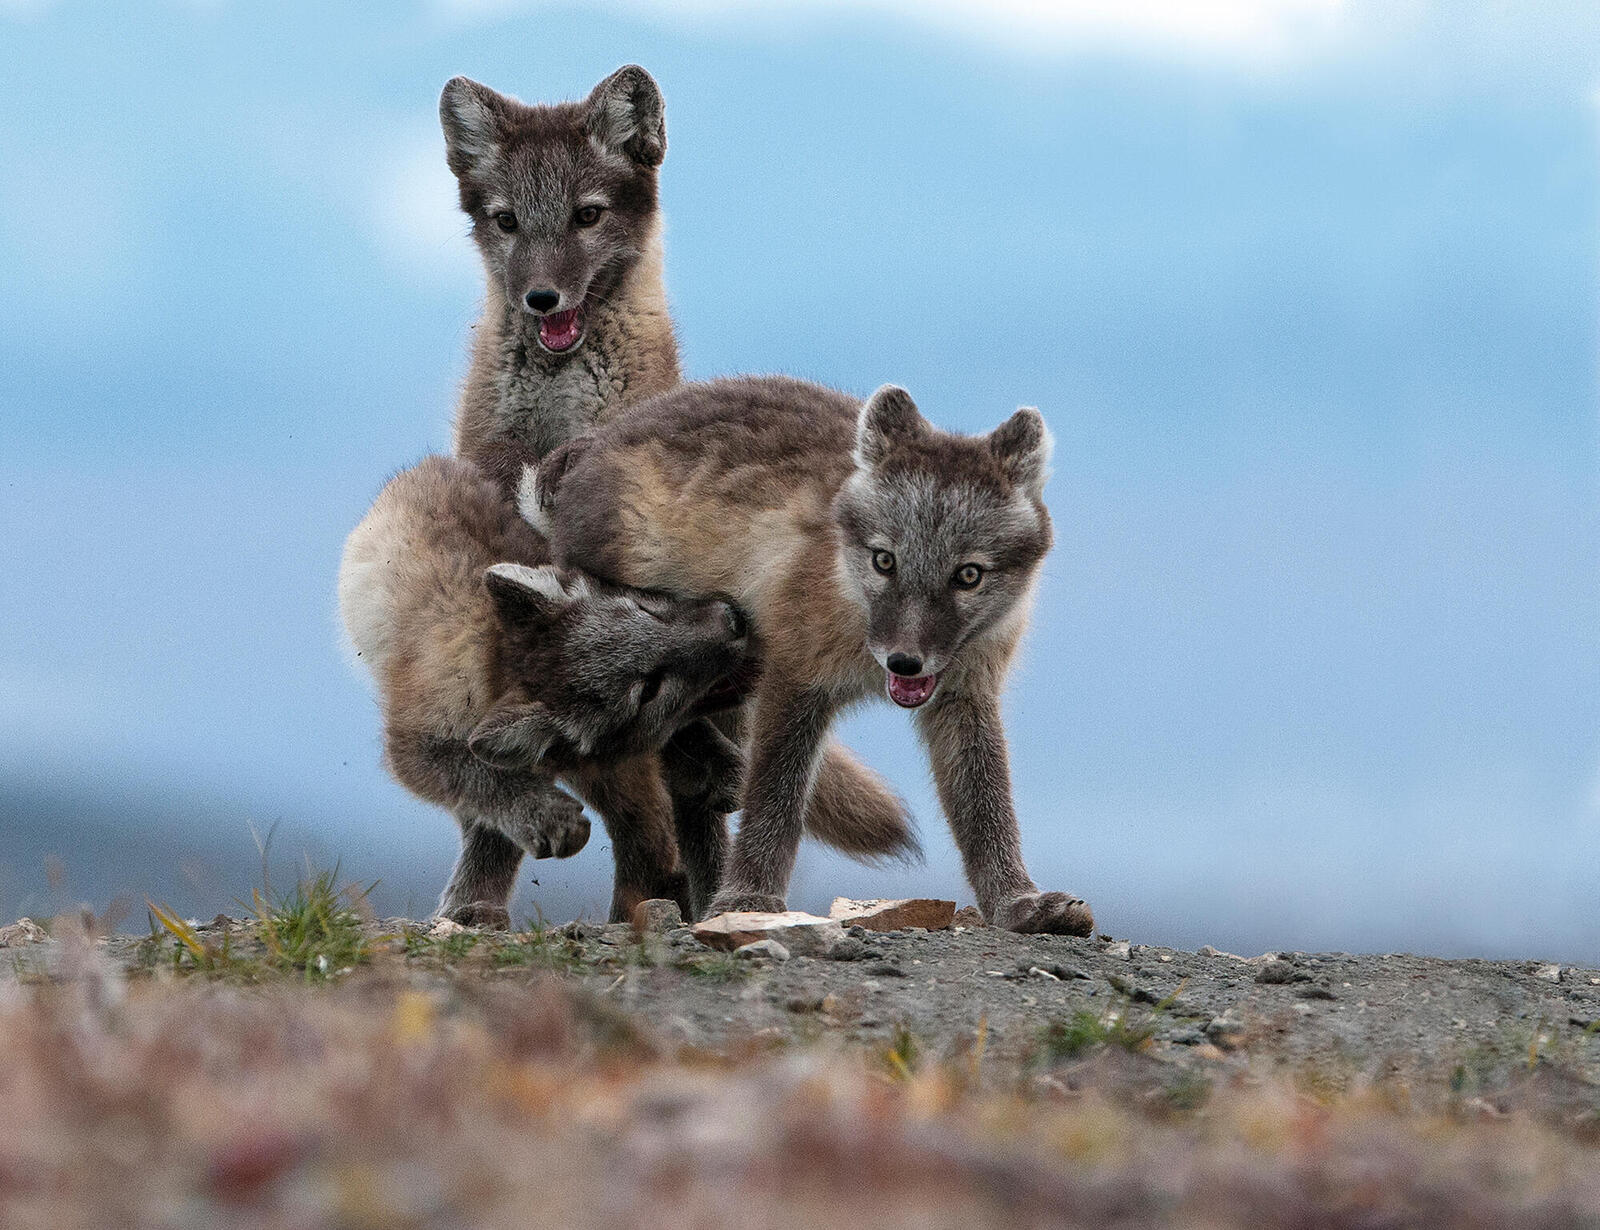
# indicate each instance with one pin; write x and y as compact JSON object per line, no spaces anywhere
{"x":1306,"y":289}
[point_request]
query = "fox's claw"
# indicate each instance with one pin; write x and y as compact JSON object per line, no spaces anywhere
{"x":730,"y":901}
{"x":1044,"y":913}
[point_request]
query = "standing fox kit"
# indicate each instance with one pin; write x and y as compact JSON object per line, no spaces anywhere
{"x":499,"y":673}
{"x":874,"y":554}
{"x":564,"y":213}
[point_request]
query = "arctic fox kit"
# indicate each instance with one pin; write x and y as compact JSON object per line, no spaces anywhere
{"x":873,"y":552}
{"x":499,"y":673}
{"x":563,"y":203}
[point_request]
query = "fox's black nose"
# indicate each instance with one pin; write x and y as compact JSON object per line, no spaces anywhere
{"x":733,"y":619}
{"x":905,"y":664}
{"x":542,"y":300}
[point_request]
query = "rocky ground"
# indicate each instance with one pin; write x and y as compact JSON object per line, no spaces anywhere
{"x":426,"y":1076}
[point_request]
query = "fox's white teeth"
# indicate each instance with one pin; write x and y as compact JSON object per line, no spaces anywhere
{"x":561,"y":330}
{"x":909,"y":691}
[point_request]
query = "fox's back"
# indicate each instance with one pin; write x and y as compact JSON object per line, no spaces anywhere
{"x":712,"y":488}
{"x":411,"y":588}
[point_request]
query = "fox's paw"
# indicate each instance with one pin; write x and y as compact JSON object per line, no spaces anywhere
{"x":730,"y":901}
{"x":1044,"y":913}
{"x":704,"y":768}
{"x":557,"y":829}
{"x":484,"y":914}
{"x":562,"y":839}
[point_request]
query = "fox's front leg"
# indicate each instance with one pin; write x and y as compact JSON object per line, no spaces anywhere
{"x":787,"y":733}
{"x":480,"y":886}
{"x":967,"y":745}
{"x":633,"y":803}
{"x":704,"y":771}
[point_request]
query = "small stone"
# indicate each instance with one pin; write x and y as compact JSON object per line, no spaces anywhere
{"x":444,"y":928}
{"x":1051,"y":969}
{"x":23,"y":931}
{"x":805,"y":1002}
{"x":968,"y":916}
{"x":1225,"y":1031}
{"x":1206,"y":950}
{"x":1121,"y":950}
{"x":848,"y":949}
{"x":762,"y":950}
{"x":884,"y":970}
{"x":1316,"y":993}
{"x":883,"y":914}
{"x":575,"y":930}
{"x":1189,"y":1037}
{"x":1548,"y":973}
{"x":656,"y":914}
{"x":802,"y":934}
{"x":1277,"y":972}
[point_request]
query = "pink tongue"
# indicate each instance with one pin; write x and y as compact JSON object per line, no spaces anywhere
{"x":559,"y":330}
{"x":910,"y":691}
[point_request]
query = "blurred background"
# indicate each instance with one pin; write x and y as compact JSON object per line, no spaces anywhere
{"x":1305,"y":288}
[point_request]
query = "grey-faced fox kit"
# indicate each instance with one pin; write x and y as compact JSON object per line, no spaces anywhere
{"x":575,"y":328}
{"x":874,"y":554}
{"x":499,"y":674}
{"x":564,"y":212}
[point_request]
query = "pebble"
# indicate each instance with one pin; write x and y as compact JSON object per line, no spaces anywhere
{"x":762,"y":950}
{"x":657,"y":914}
{"x":1278,"y":971}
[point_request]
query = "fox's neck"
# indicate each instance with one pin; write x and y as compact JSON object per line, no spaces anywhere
{"x":521,"y":401}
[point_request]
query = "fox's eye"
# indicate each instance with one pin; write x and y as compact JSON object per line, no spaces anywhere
{"x":649,"y":689}
{"x":883,"y":561}
{"x":506,"y":220}
{"x":967,"y":576}
{"x":588,"y":215}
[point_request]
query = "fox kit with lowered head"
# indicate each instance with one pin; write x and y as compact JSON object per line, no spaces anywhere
{"x":499,"y":674}
{"x":874,"y":554}
{"x":564,"y":212}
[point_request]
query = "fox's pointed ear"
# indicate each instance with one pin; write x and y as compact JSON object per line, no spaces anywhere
{"x":889,"y":416}
{"x":522,"y":594}
{"x":514,"y":736}
{"x":626,"y":115}
{"x":470,"y":115}
{"x":1022,"y":445}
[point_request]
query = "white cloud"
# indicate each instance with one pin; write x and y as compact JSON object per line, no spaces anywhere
{"x":1228,"y":30}
{"x":420,"y":228}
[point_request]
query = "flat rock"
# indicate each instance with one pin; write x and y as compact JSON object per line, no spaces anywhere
{"x":804,"y":934}
{"x":882,"y":914}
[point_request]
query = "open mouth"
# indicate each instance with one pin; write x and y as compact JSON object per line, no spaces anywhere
{"x":909,"y":691}
{"x":561,"y":330}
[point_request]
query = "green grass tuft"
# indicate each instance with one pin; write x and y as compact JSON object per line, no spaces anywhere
{"x":316,"y":928}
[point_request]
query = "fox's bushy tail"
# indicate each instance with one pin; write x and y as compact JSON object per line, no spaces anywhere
{"x":854,"y":810}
